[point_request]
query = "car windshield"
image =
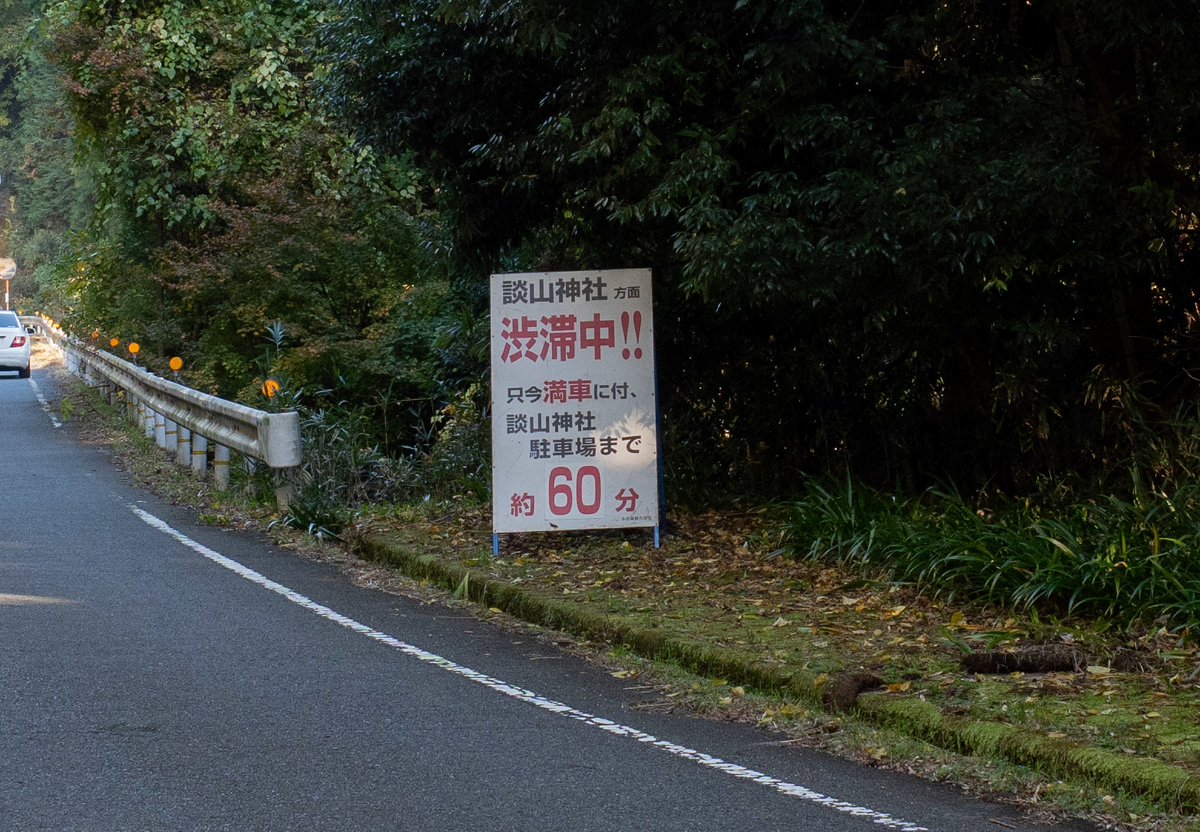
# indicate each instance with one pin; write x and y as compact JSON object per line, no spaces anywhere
{"x":9,"y":319}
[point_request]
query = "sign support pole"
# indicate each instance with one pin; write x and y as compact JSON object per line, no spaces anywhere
{"x":661,"y":520}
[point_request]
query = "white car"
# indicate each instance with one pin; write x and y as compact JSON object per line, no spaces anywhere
{"x":14,"y":344}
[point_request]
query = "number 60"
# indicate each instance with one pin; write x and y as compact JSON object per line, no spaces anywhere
{"x":563,"y":497}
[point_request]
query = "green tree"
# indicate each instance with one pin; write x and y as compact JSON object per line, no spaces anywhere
{"x":43,"y":196}
{"x":893,"y":237}
{"x":226,"y":199}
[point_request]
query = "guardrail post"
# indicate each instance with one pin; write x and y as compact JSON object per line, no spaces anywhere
{"x":199,"y":454}
{"x":171,"y":435}
{"x":160,"y":430}
{"x":250,"y":466}
{"x":285,"y":488}
{"x":221,"y":467}
{"x":148,"y":421}
{"x":183,"y":450}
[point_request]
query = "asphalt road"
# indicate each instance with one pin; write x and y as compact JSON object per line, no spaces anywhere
{"x":160,"y":674}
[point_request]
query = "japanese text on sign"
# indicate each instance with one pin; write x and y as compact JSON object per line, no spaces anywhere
{"x":574,"y":437}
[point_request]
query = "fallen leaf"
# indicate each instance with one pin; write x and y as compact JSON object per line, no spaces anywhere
{"x":899,"y":687}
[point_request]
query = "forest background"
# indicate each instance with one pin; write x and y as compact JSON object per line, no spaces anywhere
{"x":925,"y":272}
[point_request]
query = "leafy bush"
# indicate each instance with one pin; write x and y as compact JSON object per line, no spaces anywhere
{"x":459,"y":460}
{"x":341,"y":470}
{"x":315,"y":510}
{"x":1128,"y":559}
{"x":340,"y":454}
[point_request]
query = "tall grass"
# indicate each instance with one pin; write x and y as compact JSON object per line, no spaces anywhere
{"x":342,"y":469}
{"x":1132,"y":558}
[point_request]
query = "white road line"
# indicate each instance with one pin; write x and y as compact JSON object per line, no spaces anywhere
{"x":707,"y":760}
{"x":45,"y":404}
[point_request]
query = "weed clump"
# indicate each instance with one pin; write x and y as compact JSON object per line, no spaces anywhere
{"x":1127,"y":558}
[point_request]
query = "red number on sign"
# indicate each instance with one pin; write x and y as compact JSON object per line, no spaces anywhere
{"x":560,"y":492}
{"x":562,"y":499}
{"x":594,"y":473}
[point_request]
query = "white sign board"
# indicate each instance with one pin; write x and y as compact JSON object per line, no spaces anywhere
{"x":574,"y":440}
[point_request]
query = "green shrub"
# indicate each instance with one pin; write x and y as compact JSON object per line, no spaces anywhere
{"x":458,"y":462}
{"x":1129,"y":559}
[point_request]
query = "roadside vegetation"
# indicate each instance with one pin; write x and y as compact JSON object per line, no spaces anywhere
{"x":1126,"y":561}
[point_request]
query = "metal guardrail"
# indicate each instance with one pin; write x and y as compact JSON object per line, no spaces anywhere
{"x":183,"y":421}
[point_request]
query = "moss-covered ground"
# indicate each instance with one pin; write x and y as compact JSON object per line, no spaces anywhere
{"x":715,"y":583}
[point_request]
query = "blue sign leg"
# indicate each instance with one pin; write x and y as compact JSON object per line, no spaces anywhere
{"x":495,"y":545}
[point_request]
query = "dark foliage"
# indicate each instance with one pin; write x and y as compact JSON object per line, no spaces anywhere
{"x":906,"y":239}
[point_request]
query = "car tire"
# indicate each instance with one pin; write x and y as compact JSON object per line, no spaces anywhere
{"x":23,"y":373}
